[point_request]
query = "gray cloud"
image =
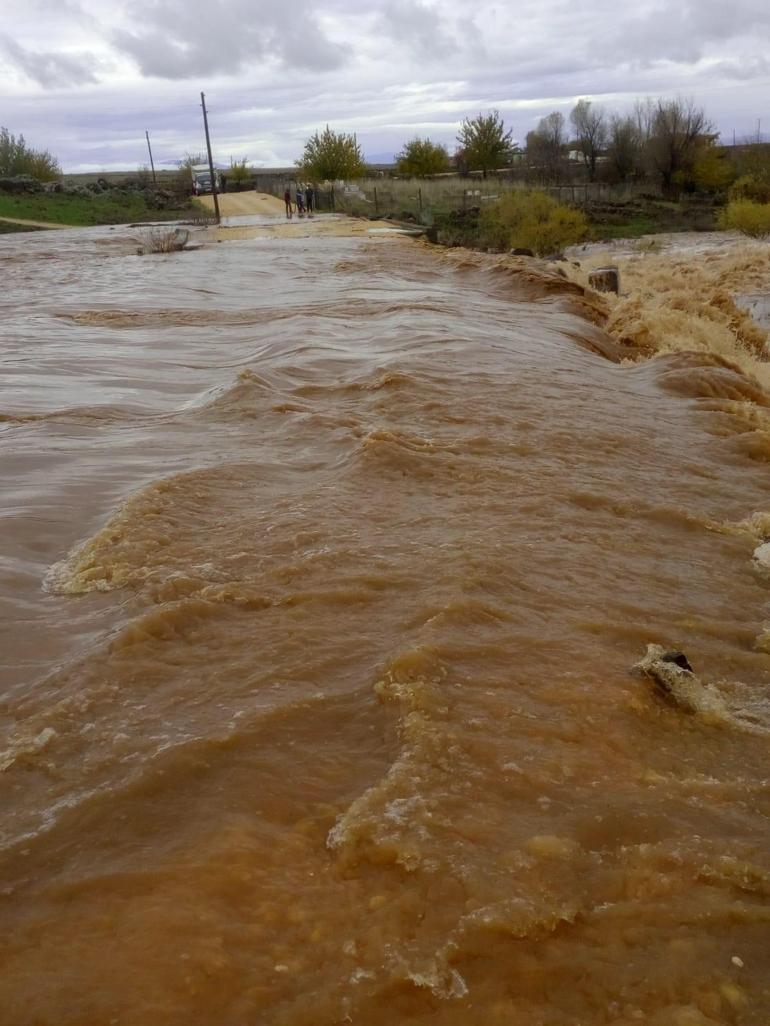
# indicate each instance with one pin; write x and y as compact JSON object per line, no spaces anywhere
{"x":183,"y":39}
{"x":682,"y":31}
{"x":419,"y":29}
{"x":47,"y":68}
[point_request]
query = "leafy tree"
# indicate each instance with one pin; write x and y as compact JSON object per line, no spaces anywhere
{"x":330,"y":156}
{"x":485,"y":145}
{"x":590,"y":125}
{"x":712,"y":169}
{"x":16,"y":158}
{"x":752,"y":165}
{"x":545,"y":145}
{"x":421,"y":157}
{"x":678,"y":127}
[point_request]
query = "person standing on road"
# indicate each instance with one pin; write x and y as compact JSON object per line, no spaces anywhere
{"x":310,"y":200}
{"x":300,"y":197}
{"x":287,"y":201}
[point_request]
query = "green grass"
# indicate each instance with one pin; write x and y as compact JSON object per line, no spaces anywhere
{"x":108,"y":208}
{"x":631,"y":229}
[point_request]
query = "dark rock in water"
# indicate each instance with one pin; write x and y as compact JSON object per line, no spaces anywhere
{"x":679,"y":658}
{"x":431,"y":234}
{"x":522,"y":251}
{"x":605,"y":279}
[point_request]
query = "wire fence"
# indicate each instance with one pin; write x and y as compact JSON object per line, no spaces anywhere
{"x":421,"y":200}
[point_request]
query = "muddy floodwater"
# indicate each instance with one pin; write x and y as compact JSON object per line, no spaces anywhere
{"x":326,"y":562}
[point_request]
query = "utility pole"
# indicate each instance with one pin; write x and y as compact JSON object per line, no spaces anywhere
{"x":152,"y":165}
{"x":211,"y":162}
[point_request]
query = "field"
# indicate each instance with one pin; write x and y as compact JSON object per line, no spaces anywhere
{"x":107,"y":208}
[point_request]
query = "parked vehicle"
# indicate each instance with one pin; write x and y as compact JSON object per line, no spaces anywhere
{"x":201,"y":179}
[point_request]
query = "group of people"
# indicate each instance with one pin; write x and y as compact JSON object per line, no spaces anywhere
{"x":304,"y":199}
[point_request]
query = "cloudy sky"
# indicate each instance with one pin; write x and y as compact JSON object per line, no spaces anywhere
{"x":85,"y":78}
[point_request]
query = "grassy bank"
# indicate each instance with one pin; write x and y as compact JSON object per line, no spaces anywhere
{"x":649,"y":216}
{"x":108,"y":208}
{"x":605,"y":221}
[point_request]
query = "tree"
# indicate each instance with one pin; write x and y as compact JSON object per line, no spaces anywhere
{"x":678,"y":127}
{"x":16,"y":158}
{"x":421,"y":157}
{"x":712,"y":169}
{"x":331,"y":156}
{"x":625,"y":147}
{"x":590,"y":125}
{"x":545,"y":145}
{"x":485,"y":145}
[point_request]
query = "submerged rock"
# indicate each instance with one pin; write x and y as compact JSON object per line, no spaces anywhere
{"x":762,"y":558}
{"x":673,"y":677}
{"x":605,"y":279}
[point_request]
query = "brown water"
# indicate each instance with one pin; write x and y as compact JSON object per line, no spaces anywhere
{"x":326,"y":562}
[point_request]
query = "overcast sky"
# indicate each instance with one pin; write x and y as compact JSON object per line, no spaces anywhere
{"x":85,"y":78}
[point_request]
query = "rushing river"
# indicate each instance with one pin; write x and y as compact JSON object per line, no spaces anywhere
{"x":325,"y":565}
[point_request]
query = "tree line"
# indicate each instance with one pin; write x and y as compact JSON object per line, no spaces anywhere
{"x":670,"y":140}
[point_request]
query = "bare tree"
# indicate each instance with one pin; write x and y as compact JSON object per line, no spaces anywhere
{"x":545,"y":145}
{"x":677,"y":128}
{"x":625,"y":146}
{"x":644,"y":118}
{"x":590,"y":125}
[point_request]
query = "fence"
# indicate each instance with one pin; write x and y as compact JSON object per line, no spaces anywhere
{"x":420,"y":199}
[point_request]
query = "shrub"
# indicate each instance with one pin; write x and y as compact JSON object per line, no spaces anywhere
{"x":240,"y":174}
{"x":754,"y":187}
{"x":17,"y":158}
{"x":747,"y":217}
{"x":531,"y":220}
{"x":163,"y":240}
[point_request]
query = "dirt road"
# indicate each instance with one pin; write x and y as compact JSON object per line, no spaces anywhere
{"x":234,"y":204}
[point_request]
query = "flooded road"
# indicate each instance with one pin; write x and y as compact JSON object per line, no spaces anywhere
{"x":326,"y":561}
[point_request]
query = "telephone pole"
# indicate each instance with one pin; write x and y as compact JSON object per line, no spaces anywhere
{"x":152,"y":165}
{"x":211,"y":162}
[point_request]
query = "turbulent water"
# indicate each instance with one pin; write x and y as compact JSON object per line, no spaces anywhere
{"x":326,"y":563}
